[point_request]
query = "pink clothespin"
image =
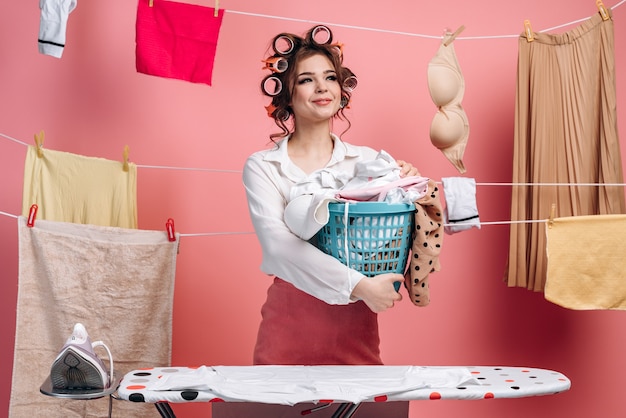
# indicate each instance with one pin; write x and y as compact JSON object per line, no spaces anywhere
{"x":169,"y":226}
{"x":31,"y":216}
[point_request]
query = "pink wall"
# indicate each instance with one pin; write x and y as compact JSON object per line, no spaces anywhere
{"x":92,"y":102}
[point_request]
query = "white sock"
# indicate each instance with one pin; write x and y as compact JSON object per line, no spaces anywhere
{"x":461,"y":212}
{"x":52,"y":26}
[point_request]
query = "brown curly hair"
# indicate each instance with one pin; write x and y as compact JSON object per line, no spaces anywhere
{"x":301,"y":48}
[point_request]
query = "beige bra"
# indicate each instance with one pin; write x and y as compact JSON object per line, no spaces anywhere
{"x":449,"y":128}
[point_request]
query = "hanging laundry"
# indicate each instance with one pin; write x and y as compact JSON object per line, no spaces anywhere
{"x":177,"y":40}
{"x":565,"y":133}
{"x":460,"y":213}
{"x":118,"y":282}
{"x":53,"y":25}
{"x":449,"y":129}
{"x":427,"y":245}
{"x":586,"y":264}
{"x":73,"y":188}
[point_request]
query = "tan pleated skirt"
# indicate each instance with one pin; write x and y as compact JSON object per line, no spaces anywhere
{"x":565,"y":133}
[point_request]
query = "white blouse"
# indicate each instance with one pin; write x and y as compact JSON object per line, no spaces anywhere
{"x":268,"y":177}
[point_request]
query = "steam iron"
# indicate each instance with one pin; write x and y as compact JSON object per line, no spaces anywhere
{"x":77,"y":367}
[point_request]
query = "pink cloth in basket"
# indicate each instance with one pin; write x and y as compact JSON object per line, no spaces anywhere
{"x":176,"y":40}
{"x":414,"y":184}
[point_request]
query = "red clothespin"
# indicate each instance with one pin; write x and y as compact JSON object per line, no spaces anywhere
{"x":169,"y":226}
{"x":31,"y":216}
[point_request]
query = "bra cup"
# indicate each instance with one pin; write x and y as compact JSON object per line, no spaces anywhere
{"x":449,"y":131}
{"x":446,"y":129}
{"x":444,"y":84}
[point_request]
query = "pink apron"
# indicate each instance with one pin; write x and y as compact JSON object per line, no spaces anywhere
{"x":299,"y":329}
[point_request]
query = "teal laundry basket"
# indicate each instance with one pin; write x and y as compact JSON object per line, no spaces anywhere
{"x":370,"y":237}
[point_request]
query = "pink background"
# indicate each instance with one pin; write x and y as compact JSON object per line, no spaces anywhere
{"x":93,"y":102}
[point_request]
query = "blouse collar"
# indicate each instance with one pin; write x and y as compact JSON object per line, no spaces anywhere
{"x":279,"y":154}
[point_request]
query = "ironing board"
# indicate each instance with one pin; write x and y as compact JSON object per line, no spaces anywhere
{"x":487,"y":382}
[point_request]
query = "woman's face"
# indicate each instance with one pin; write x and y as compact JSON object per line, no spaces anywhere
{"x":316,"y":94}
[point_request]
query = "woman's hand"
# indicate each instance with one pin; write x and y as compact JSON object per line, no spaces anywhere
{"x":407,"y":169}
{"x":378,"y":292}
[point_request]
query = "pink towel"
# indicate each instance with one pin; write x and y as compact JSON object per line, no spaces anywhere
{"x":177,"y":40}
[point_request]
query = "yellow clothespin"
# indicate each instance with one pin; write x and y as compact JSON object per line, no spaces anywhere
{"x":454,"y":35}
{"x":216,"y":9}
{"x":125,"y":164}
{"x":39,"y":143}
{"x":603,"y":11}
{"x":529,"y":31}
{"x":552,"y":214}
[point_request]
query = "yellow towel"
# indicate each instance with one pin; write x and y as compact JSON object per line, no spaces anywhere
{"x":86,"y":190}
{"x":587,"y":262}
{"x":118,"y":282}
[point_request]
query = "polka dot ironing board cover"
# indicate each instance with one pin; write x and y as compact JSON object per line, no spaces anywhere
{"x":297,"y":384}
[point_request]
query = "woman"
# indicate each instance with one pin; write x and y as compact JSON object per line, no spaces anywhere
{"x":318,"y":311}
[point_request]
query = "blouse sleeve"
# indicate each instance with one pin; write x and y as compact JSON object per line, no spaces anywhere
{"x":284,"y":253}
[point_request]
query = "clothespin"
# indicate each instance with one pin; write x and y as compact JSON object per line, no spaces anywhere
{"x":151,"y":3}
{"x":602,"y":9}
{"x":454,"y":35}
{"x":529,"y":31}
{"x":339,"y":47}
{"x":270,"y":110}
{"x":39,"y":143}
{"x":32,"y":215}
{"x":125,"y":163}
{"x":169,"y":227}
{"x":216,"y":9}
{"x":552,"y":214}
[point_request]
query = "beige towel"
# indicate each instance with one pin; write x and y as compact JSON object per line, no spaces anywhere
{"x":73,"y":188}
{"x":118,"y":282}
{"x":587,"y":262}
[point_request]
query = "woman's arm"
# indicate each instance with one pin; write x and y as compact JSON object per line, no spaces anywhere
{"x":285,"y":254}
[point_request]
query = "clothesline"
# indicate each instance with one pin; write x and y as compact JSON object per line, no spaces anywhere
{"x":340,"y":25}
{"x":212,"y":234}
{"x":239,"y":171}
{"x":162,"y":167}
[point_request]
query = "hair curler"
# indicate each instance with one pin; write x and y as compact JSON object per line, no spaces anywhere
{"x":272,"y":85}
{"x":276,"y":64}
{"x":320,"y":35}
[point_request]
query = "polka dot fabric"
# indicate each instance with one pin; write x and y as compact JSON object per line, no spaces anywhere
{"x":494,"y":382}
{"x":427,"y":242}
